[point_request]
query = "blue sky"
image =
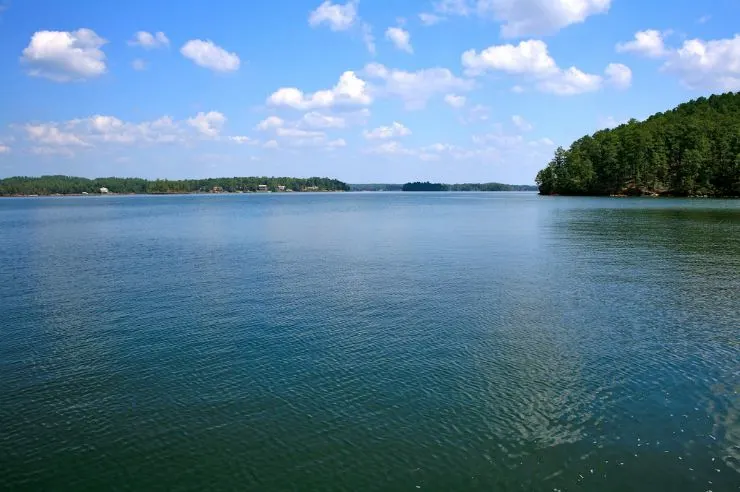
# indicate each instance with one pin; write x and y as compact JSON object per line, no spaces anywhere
{"x":364,"y":91}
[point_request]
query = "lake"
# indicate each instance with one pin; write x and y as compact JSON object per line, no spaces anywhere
{"x":369,"y":341}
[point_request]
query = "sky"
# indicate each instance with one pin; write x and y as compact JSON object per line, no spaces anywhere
{"x":366,"y":91}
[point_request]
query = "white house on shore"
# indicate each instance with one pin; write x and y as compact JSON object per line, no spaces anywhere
{"x":104,"y":190}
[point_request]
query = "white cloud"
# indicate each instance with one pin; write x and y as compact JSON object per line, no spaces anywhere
{"x":242,"y":140}
{"x":270,"y":122}
{"x":63,"y":56}
{"x":570,"y":82}
{"x":208,"y":124}
{"x":618,"y":75}
{"x":350,"y":90}
{"x":518,"y":89}
{"x":338,"y":17}
{"x":649,"y":43}
{"x":452,"y":7}
{"x":298,"y":133}
{"x":477,"y":114}
{"x":532,"y":59}
{"x":138,"y":64}
{"x":149,"y":41}
{"x":400,"y":38}
{"x":50,"y":134}
{"x":368,"y":38}
{"x":539,"y":17}
{"x":390,"y":148}
{"x":704,"y":19}
{"x":4,"y":149}
{"x":208,"y":55}
{"x":711,"y":65}
{"x":271,"y":144}
{"x":707,"y":65}
{"x":415,"y":88}
{"x":521,"y":123}
{"x":430,"y":19}
{"x":455,"y":101}
{"x":525,"y":17}
{"x":103,"y":129}
{"x":336,"y":143}
{"x":315,"y":119}
{"x":394,"y":130}
{"x":527,"y":57}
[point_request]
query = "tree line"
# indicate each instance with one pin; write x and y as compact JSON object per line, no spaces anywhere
{"x":68,"y":185}
{"x":691,"y":150}
{"x":427,"y":186}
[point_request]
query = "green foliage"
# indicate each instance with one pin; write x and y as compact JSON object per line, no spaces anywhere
{"x":425,"y":186}
{"x":693,"y":149}
{"x":66,"y":185}
{"x":490,"y":187}
{"x":375,"y":187}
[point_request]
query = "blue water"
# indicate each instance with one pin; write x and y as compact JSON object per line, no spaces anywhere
{"x":369,"y":341}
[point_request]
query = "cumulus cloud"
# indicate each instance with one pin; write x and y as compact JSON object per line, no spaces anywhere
{"x":430,"y":19}
{"x":4,"y":149}
{"x":570,"y":82}
{"x":649,"y":43}
{"x":531,"y":59}
{"x":208,"y":124}
{"x":105,"y":129}
{"x":270,"y":122}
{"x":527,"y":57}
{"x":63,"y":56}
{"x":138,"y":64}
{"x":618,"y":75}
{"x":51,"y":134}
{"x":149,"y":41}
{"x":350,"y":90}
{"x":297,"y":133}
{"x":209,"y":55}
{"x":699,"y":64}
{"x":242,"y":140}
{"x":368,"y":38}
{"x":415,"y":88}
{"x":521,"y":123}
{"x":315,"y":119}
{"x":455,"y":101}
{"x":539,"y":17}
{"x":400,"y":38}
{"x":453,"y":7}
{"x":711,"y":65}
{"x":477,"y":114}
{"x":524,"y":17}
{"x":394,"y":130}
{"x":337,"y":16}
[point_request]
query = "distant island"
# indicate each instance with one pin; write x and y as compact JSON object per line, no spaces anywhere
{"x":692,"y":150}
{"x":375,"y":187}
{"x":70,"y":185}
{"x":427,"y":186}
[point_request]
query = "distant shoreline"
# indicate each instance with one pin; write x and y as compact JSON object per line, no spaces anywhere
{"x":205,"y":193}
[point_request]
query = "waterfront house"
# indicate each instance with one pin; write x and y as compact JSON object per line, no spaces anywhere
{"x":262,"y":188}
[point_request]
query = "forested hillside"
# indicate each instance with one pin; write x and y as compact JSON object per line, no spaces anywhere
{"x":427,"y":186}
{"x":50,"y":185}
{"x":691,"y":150}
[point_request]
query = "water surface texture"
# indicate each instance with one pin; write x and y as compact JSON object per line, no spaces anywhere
{"x":453,"y":341}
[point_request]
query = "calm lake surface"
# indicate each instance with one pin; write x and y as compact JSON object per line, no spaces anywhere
{"x":369,"y":341}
